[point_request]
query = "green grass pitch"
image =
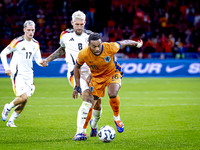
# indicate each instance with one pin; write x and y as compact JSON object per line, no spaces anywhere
{"x":158,"y":113}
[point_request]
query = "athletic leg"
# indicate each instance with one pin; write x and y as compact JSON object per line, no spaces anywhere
{"x":88,"y":102}
{"x":113,"y":89}
{"x":84,"y":86}
{"x":97,"y":111}
{"x":20,"y":103}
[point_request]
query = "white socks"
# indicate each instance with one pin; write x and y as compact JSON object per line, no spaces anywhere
{"x":14,"y":116}
{"x":11,"y":105}
{"x":116,"y":118}
{"x":82,"y":115}
{"x":96,"y":117}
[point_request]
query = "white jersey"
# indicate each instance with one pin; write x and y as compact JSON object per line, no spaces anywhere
{"x":73,"y":43}
{"x":22,"y":54}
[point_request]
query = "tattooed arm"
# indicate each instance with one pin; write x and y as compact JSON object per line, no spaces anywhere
{"x":58,"y":53}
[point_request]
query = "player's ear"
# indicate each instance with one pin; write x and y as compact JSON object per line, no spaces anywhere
{"x":72,"y":23}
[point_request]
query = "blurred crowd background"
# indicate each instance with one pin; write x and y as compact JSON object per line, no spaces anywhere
{"x":169,"y":28}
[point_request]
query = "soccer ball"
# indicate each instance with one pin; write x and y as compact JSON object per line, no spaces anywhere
{"x":106,"y":134}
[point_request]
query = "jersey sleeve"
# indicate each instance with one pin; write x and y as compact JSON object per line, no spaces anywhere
{"x":61,"y":39}
{"x":12,"y":46}
{"x":114,"y":47}
{"x":9,"y":49}
{"x":37,"y":55}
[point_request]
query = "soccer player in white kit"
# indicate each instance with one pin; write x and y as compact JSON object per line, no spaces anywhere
{"x":71,"y":42}
{"x":23,"y":49}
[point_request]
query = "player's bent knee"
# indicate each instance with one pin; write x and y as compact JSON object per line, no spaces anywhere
{"x":87,"y":96}
{"x":112,"y":94}
{"x":24,"y":98}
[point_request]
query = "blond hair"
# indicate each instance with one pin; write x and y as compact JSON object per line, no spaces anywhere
{"x":78,"y":15}
{"x":29,"y":23}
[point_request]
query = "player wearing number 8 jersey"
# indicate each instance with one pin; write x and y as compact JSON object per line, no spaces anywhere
{"x":105,"y":72}
{"x":71,"y":42}
{"x":23,"y":50}
{"x":74,"y":43}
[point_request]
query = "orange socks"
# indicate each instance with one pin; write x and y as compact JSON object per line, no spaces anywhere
{"x":115,"y":104}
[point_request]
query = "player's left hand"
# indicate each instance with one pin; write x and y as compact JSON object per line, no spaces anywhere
{"x":75,"y":94}
{"x":44,"y":63}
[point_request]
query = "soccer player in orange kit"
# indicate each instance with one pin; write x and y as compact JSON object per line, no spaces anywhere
{"x":105,"y":72}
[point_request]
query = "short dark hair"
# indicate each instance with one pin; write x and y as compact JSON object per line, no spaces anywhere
{"x":94,"y":36}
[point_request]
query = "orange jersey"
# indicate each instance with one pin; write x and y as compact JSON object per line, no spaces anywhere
{"x":104,"y":65}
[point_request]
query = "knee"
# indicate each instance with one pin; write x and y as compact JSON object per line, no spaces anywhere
{"x":24,"y":98}
{"x":87,"y":96}
{"x":112,"y":94}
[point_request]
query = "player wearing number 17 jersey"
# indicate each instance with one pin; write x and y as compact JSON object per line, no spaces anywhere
{"x":23,"y":50}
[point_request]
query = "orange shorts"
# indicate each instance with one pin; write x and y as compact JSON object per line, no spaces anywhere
{"x":98,"y":88}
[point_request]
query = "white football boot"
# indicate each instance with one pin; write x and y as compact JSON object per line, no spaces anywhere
{"x":5,"y":112}
{"x":11,"y":124}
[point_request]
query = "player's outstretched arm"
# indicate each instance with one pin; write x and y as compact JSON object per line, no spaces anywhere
{"x":58,"y":53}
{"x":125,"y":43}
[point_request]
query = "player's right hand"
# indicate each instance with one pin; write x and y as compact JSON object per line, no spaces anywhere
{"x":44,"y":63}
{"x":8,"y":73}
{"x":75,"y":94}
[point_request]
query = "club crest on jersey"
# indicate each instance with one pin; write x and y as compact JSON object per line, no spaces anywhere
{"x":107,"y":59}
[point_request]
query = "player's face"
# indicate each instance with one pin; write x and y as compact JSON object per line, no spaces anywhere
{"x":78,"y":26}
{"x":96,"y":47}
{"x":29,"y":32}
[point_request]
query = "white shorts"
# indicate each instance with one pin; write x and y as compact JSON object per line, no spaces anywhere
{"x":22,"y":85}
{"x":83,"y":77}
